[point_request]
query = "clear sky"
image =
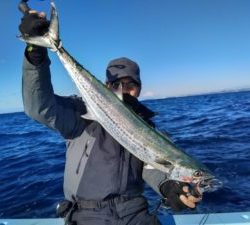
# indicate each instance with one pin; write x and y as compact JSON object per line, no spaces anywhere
{"x":183,"y":47}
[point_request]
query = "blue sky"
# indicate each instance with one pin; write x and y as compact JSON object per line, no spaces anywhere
{"x":182,"y":46}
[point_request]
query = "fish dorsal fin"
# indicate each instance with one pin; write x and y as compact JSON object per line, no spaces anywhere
{"x":118,"y":92}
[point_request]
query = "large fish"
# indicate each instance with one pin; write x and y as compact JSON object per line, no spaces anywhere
{"x":147,"y":144}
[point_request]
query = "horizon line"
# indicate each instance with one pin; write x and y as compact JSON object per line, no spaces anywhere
{"x":167,"y":97}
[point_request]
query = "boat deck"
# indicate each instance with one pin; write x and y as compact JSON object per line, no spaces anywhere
{"x":239,"y":218}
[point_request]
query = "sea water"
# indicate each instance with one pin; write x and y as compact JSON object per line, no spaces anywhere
{"x":213,"y":128}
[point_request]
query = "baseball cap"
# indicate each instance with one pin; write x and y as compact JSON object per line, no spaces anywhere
{"x":122,"y":67}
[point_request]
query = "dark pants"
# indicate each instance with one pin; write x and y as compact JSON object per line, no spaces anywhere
{"x":119,"y":212}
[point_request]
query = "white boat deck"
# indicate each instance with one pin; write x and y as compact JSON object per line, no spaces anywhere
{"x":240,"y":218}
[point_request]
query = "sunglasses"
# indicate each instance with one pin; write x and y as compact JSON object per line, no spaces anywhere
{"x":128,"y":85}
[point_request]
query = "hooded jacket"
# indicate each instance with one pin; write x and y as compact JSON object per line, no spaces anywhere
{"x":97,"y":167}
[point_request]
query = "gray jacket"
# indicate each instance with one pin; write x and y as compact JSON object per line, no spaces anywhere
{"x":97,"y":166}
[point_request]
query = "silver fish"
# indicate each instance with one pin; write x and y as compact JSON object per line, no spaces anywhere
{"x":124,"y":125}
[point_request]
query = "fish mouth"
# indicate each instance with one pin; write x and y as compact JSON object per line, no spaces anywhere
{"x":209,"y":185}
{"x":205,"y":181}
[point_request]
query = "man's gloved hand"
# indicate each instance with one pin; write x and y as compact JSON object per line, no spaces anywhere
{"x":178,"y":195}
{"x":33,"y":24}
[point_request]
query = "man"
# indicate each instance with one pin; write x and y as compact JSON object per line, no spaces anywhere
{"x":102,"y":181}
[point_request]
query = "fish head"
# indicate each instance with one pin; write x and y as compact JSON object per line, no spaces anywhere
{"x":206,"y":182}
{"x":200,"y":178}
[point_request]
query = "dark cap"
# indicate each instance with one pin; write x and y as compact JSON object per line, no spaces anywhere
{"x":122,"y":67}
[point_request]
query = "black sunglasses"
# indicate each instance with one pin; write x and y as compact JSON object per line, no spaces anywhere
{"x":128,"y":85}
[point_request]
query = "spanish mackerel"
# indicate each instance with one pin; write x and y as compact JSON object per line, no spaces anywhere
{"x":123,"y":124}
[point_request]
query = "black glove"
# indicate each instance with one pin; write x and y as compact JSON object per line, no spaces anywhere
{"x":171,"y":190}
{"x":34,"y":25}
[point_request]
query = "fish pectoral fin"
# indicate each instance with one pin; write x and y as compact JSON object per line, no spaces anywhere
{"x":163,"y":162}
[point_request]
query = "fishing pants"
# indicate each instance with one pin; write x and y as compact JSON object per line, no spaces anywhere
{"x":116,"y":211}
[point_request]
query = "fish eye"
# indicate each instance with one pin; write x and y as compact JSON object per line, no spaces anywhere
{"x":197,"y":173}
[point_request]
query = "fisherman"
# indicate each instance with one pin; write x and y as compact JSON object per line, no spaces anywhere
{"x":102,"y":181}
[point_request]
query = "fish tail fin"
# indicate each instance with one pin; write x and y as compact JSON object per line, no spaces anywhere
{"x":54,"y":25}
{"x":51,"y":38}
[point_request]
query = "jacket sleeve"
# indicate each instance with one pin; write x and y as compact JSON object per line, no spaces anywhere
{"x":154,"y":178}
{"x":40,"y":103}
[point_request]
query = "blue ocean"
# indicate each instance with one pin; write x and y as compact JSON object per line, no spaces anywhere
{"x":213,"y":128}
